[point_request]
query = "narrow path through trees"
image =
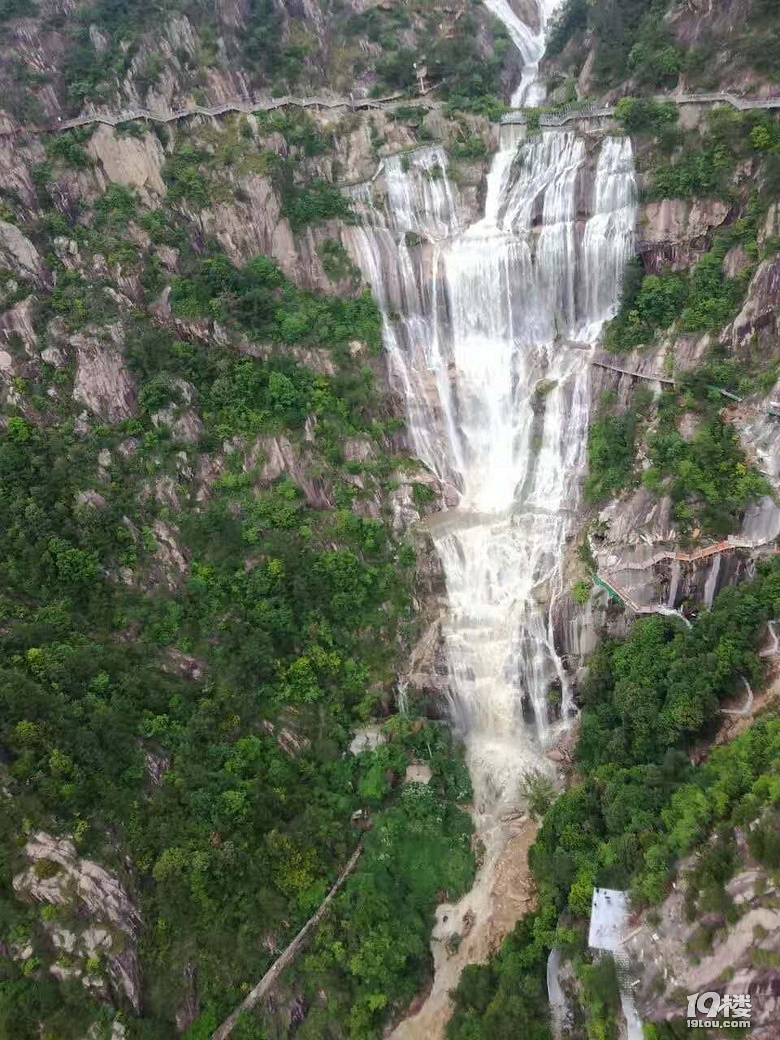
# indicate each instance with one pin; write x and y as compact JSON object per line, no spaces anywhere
{"x":271,"y":977}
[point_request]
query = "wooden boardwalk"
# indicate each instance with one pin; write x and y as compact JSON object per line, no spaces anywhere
{"x":621,"y":596}
{"x":606,"y":581}
{"x":635,"y":375}
{"x":651,"y":377}
{"x":727,"y":545}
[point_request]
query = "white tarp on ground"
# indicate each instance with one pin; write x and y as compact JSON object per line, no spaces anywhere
{"x":609,"y":920}
{"x":609,"y":916}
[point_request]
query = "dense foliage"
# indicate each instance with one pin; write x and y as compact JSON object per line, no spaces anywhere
{"x":633,"y":40}
{"x":456,"y":57}
{"x":507,"y":997}
{"x":611,"y":453}
{"x":703,"y":301}
{"x":711,"y":481}
{"x":113,"y":53}
{"x":648,"y":304}
{"x":706,"y":472}
{"x":265,"y":303}
{"x":689,"y":166}
{"x":371,"y":955}
{"x":705,"y":164}
{"x":645,"y":43}
{"x":188,"y":639}
{"x":240,"y":830}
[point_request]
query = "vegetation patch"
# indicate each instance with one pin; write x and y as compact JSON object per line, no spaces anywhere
{"x":261,"y":300}
{"x":611,"y":451}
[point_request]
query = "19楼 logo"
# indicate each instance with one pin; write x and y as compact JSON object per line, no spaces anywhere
{"x":730,"y":1011}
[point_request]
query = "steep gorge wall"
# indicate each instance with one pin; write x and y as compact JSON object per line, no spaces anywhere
{"x":674,"y":236}
{"x":100,"y":360}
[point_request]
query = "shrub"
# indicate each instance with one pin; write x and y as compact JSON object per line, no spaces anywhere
{"x":182,"y":173}
{"x":314,"y":204}
{"x":698,"y":172}
{"x":713,"y":299}
{"x":261,"y":300}
{"x":157,"y":393}
{"x":18,"y":429}
{"x":472,"y":147}
{"x":711,"y":482}
{"x":45,"y":869}
{"x":67,"y":148}
{"x":538,"y":791}
{"x":580,"y":593}
{"x":610,"y":456}
{"x":645,"y":116}
{"x":116,"y":208}
{"x":336,"y":261}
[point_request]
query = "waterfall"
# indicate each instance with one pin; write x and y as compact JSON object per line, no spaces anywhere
{"x":482,"y":325}
{"x":476,"y":321}
{"x":711,"y":584}
{"x":529,"y":92}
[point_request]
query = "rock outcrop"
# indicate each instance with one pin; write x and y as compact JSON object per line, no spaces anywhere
{"x":675,"y":233}
{"x":103,"y":383}
{"x":18,"y":252}
{"x":58,"y":876}
{"x":673,"y":956}
{"x":135,"y":162}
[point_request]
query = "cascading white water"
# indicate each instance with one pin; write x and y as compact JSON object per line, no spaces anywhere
{"x":529,"y":92}
{"x":484,"y":327}
{"x":475,"y":322}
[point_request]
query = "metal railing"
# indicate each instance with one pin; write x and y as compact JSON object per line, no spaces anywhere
{"x":249,"y":103}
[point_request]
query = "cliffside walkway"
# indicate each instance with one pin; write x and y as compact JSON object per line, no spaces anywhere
{"x":725,"y":546}
{"x":746,"y":708}
{"x":620,"y":595}
{"x":271,"y":977}
{"x":245,"y":103}
{"x":650,"y":377}
{"x":635,"y":375}
{"x":774,"y":649}
{"x":249,"y":103}
{"x":595,"y":111}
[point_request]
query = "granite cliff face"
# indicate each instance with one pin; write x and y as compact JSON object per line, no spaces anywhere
{"x":61,"y":60}
{"x":633,"y":538}
{"x":729,"y":47}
